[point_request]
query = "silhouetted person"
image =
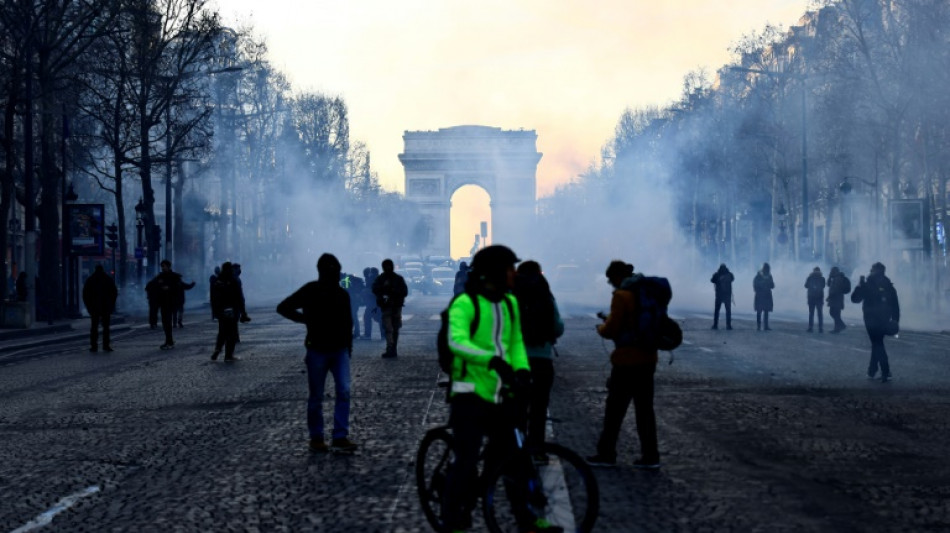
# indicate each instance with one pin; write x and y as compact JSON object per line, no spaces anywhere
{"x":22,"y":292}
{"x":370,"y":311}
{"x":227,"y":305}
{"x":353,"y":286}
{"x":815,"y":283}
{"x":722,"y":279}
{"x":838,"y":286}
{"x":325,"y":308}
{"x":882,"y":315}
{"x":211,"y":280}
{"x":541,"y":325}
{"x":237,"y":277}
{"x":461,"y":278}
{"x":151,"y":296}
{"x":762,"y":285}
{"x":631,"y":374}
{"x":179,"y":313}
{"x":99,"y":294}
{"x":391,"y":291}
{"x":166,"y":287}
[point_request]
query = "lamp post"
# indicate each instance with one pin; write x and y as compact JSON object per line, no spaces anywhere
{"x":804,"y":233}
{"x":67,"y":275}
{"x":846,"y":188}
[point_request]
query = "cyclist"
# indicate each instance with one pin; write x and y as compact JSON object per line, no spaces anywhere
{"x":486,"y":359}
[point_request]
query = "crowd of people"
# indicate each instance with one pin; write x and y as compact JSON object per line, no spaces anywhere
{"x":875,"y":293}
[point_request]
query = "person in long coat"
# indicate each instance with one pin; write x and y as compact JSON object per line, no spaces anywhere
{"x":762,"y":285}
{"x":99,"y":294}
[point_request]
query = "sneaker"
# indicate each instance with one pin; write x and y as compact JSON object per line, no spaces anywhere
{"x":166,"y":346}
{"x":388,"y":355}
{"x":228,"y":359}
{"x":542,"y":525}
{"x":600,"y":460}
{"x":343,"y":445}
{"x":215,"y":354}
{"x":714,"y":327}
{"x":885,"y":378}
{"x":728,"y":327}
{"x":647,"y":464}
{"x":107,"y":348}
{"x":317,"y":445}
{"x":94,"y":349}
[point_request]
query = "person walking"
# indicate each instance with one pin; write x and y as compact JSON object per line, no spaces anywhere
{"x":722,"y":279}
{"x":324,"y":307}
{"x":487,"y":366}
{"x":838,"y":286}
{"x":99,"y":294}
{"x":166,"y":286}
{"x":370,"y":311}
{"x":227,"y":305}
{"x":541,"y":325}
{"x":762,"y":285}
{"x":882,"y":315}
{"x":631,"y":374}
{"x":391,"y":291}
{"x":815,"y":283}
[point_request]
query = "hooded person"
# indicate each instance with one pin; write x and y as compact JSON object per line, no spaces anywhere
{"x":838,"y":286}
{"x":882,"y":314}
{"x":99,"y":294}
{"x":815,"y":286}
{"x":762,"y":286}
{"x":722,"y":279}
{"x":390,"y":290}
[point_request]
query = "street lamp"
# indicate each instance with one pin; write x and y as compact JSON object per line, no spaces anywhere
{"x":801,"y":77}
{"x":845,"y":187}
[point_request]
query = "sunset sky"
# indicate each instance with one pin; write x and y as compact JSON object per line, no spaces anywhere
{"x":564,"y":68}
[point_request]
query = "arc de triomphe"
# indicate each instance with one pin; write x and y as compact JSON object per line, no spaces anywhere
{"x":503,"y":162}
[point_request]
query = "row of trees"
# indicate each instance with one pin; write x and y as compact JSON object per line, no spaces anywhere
{"x":120,"y":97}
{"x":761,"y":155}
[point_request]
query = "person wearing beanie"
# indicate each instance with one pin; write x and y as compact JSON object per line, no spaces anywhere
{"x":882,"y":315}
{"x":815,"y":285}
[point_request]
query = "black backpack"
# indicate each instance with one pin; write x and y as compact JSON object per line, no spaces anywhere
{"x":442,"y":338}
{"x":653,"y":327}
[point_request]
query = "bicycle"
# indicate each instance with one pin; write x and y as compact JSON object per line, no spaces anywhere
{"x":561,"y":486}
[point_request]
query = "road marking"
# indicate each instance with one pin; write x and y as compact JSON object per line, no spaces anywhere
{"x":47,"y":516}
{"x":705,"y":349}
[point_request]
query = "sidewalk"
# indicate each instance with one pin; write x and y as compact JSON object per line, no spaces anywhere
{"x":44,"y":333}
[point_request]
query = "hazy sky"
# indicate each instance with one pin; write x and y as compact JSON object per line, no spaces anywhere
{"x":565,"y":68}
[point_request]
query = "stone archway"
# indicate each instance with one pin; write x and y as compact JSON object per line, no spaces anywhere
{"x":503,"y":162}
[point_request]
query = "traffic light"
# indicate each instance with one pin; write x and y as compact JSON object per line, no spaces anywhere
{"x":156,"y":237}
{"x":112,"y":235}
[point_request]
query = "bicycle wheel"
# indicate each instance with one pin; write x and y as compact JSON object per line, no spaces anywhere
{"x":561,"y":489}
{"x":432,"y":463}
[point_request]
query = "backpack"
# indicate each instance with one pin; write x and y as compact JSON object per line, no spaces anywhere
{"x":653,"y":327}
{"x":537,"y":316}
{"x":442,"y":337}
{"x":845,"y":284}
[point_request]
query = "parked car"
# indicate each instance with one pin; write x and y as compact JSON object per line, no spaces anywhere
{"x":414,"y":277}
{"x":443,"y":280}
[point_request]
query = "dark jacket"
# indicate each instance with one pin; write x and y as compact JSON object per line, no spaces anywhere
{"x":166,"y":287}
{"x":226,"y":293}
{"x":815,"y":283}
{"x":182,"y":287}
{"x":762,"y":285}
{"x":99,"y":293}
{"x":325,"y":310}
{"x":879,"y":301}
{"x":722,"y":280}
{"x":838,"y":286}
{"x":367,"y":296}
{"x":390,"y":290}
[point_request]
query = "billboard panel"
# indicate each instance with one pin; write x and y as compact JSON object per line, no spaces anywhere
{"x":85,"y":224}
{"x":907,"y":224}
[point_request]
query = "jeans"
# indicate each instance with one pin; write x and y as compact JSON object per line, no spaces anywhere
{"x":167,"y":310}
{"x":542,"y":379}
{"x":98,"y":318}
{"x":630,"y":383}
{"x":878,"y":353}
{"x":727,"y":300}
{"x":227,"y":335}
{"x":835,"y":313}
{"x":318,"y":365}
{"x":812,"y":308}
{"x":391,"y":322}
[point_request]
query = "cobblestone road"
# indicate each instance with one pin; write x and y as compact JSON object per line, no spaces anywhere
{"x":775,"y":431}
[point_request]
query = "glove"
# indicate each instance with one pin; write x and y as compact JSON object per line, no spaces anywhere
{"x":503,"y":369}
{"x":522,"y":383}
